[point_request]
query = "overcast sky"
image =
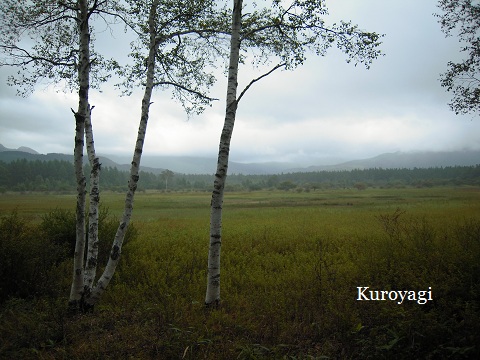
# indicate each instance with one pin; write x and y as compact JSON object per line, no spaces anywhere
{"x":323,"y":112}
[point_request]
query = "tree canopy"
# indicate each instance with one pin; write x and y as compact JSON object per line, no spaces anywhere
{"x":40,"y":39}
{"x":462,"y":18}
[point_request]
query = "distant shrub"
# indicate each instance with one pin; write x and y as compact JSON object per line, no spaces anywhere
{"x":286,"y":185}
{"x":26,"y":259}
{"x":360,"y":186}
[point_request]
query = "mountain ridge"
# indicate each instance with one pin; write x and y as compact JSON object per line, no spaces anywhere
{"x":205,"y":165}
{"x":408,"y":160}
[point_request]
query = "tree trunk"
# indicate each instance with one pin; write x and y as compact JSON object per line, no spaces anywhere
{"x":77,"y":288}
{"x":104,"y":280}
{"x":212,"y":297}
{"x":92,"y":248}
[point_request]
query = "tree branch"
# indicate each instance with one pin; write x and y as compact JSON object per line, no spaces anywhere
{"x":197,"y":93}
{"x":278,"y":66}
{"x":198,"y":32}
{"x":26,"y":58}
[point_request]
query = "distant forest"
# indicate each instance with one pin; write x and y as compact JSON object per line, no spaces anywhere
{"x":23,"y":175}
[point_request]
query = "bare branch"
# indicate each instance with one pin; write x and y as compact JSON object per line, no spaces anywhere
{"x":278,"y":66}
{"x":194,"y":92}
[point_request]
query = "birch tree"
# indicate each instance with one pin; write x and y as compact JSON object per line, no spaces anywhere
{"x":281,"y":35}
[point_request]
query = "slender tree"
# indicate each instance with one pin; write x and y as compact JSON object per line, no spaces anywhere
{"x":462,"y":17}
{"x":283,"y":34}
{"x":167,"y":175}
{"x":95,"y":293}
{"x":83,"y":112}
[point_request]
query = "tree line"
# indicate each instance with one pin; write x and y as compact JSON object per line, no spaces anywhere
{"x":57,"y":175}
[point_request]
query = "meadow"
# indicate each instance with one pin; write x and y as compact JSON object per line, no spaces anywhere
{"x":292,"y":263}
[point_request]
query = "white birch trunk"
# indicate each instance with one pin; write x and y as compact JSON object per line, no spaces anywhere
{"x":132,"y":184}
{"x":77,"y":288}
{"x":92,"y":248}
{"x":212,"y":297}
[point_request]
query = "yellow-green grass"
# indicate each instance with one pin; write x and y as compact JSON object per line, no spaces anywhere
{"x":149,"y":206}
{"x":291,"y":262}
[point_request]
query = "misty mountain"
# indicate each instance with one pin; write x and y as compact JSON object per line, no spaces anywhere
{"x":203,"y":165}
{"x":21,"y":148}
{"x":12,"y":155}
{"x":199,"y":165}
{"x":398,"y":160}
{"x":406,"y":160}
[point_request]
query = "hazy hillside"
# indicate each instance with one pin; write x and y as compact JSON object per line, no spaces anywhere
{"x":410,"y":160}
{"x":8,"y":155}
{"x":202,"y":165}
{"x":11,"y":155}
{"x":21,"y":148}
{"x":199,"y":165}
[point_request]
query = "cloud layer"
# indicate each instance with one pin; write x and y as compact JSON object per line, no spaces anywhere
{"x":325,"y":111}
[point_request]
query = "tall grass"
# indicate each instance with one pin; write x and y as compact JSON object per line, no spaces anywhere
{"x":291,"y":265}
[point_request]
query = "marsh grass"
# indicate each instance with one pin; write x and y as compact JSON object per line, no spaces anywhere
{"x":291,"y":265}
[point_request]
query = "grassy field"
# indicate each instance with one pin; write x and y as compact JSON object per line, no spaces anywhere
{"x":149,"y":205}
{"x":292,"y":263}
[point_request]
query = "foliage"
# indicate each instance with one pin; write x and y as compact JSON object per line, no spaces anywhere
{"x":165,"y":176}
{"x":37,"y":175}
{"x":186,"y":47}
{"x":293,"y":263}
{"x":40,"y":38}
{"x":290,"y":32}
{"x":23,"y":175}
{"x":462,"y":18}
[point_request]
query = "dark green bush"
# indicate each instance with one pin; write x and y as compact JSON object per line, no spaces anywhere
{"x":31,"y":254}
{"x":27,"y":257}
{"x":59,"y":227}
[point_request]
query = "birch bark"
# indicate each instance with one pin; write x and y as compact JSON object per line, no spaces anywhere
{"x":212,"y":297}
{"x":77,"y":289}
{"x":92,"y":248}
{"x":114,"y":258}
